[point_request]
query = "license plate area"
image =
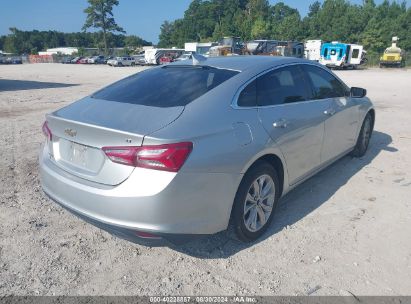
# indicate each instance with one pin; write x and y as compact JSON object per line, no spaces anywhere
{"x":77,"y":154}
{"x":72,"y":155}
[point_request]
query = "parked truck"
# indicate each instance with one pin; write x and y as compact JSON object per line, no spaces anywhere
{"x":227,"y":46}
{"x":274,"y":48}
{"x":393,"y":55}
{"x":342,"y":55}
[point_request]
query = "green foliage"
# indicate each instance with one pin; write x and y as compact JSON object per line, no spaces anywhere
{"x":100,"y":16}
{"x":134,"y":41}
{"x":260,"y":29}
{"x":30,"y":42}
{"x":81,"y":51}
{"x":369,"y":24}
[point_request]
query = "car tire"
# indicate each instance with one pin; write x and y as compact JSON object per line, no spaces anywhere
{"x":251,"y":218}
{"x":364,"y":137}
{"x":133,"y":64}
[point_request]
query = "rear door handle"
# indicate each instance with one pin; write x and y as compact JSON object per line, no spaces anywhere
{"x":329,"y":112}
{"x":281,"y":123}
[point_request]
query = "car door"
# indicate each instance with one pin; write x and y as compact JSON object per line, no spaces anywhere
{"x":341,"y":116}
{"x":294,"y":123}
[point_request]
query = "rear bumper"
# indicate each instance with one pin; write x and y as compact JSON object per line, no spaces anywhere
{"x":160,"y":239}
{"x":184,"y":203}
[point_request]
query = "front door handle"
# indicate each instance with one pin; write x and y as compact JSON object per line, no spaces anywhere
{"x":329,"y":112}
{"x":281,"y":123}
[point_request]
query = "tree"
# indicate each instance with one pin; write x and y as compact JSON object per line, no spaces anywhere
{"x":100,"y":16}
{"x":314,"y":8}
{"x":166,"y":32}
{"x":368,"y":24}
{"x":285,"y":22}
{"x":31,"y":42}
{"x":260,"y":29}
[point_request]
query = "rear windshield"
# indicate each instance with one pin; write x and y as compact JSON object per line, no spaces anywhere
{"x":165,"y":87}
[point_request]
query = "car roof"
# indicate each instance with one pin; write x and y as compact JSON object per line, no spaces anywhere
{"x":244,"y":63}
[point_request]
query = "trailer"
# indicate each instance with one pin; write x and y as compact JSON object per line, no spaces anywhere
{"x":312,"y":50}
{"x":342,"y":55}
{"x":202,"y":48}
{"x":153,"y":56}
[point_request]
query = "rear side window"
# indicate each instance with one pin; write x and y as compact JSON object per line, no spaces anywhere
{"x":248,"y":96}
{"x":169,"y":86}
{"x":324,"y":84}
{"x":284,"y":85}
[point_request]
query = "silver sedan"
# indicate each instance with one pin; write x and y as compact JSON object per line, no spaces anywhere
{"x":189,"y":148}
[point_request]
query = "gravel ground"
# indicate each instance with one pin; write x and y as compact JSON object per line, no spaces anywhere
{"x":346,"y":230}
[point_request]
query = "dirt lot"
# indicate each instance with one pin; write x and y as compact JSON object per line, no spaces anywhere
{"x":347,"y":230}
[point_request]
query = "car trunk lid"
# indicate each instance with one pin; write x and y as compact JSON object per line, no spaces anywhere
{"x":80,"y":130}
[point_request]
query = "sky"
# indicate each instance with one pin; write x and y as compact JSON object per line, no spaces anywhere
{"x":138,"y":17}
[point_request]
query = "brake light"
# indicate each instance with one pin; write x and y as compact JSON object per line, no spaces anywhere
{"x":46,"y":131}
{"x":168,"y":157}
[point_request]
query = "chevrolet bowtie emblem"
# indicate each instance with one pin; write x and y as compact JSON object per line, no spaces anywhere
{"x":70,"y":132}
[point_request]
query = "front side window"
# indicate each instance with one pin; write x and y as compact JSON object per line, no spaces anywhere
{"x":355,"y":53}
{"x":169,"y":86}
{"x":324,"y":84}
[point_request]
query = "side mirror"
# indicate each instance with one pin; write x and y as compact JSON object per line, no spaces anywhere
{"x":358,"y":92}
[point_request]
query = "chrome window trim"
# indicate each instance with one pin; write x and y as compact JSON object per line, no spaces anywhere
{"x":234,"y":102}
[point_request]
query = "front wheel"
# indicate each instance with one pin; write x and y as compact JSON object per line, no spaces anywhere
{"x":255,"y":202}
{"x":364,"y":137}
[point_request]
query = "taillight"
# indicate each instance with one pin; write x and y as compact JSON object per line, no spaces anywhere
{"x":46,"y":131}
{"x":168,"y":157}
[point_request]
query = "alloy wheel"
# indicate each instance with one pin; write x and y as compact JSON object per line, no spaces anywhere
{"x":259,"y":203}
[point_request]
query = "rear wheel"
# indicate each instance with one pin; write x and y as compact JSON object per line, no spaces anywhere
{"x":364,"y":137}
{"x":255,"y":202}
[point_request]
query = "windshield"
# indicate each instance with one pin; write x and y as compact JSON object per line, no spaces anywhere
{"x":169,"y":86}
{"x":392,"y":51}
